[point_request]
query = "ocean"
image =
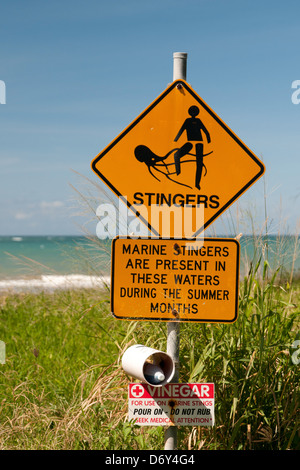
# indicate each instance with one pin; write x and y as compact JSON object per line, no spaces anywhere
{"x":53,"y":262}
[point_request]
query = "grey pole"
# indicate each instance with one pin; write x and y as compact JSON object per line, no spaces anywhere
{"x":179,"y":65}
{"x":173,"y":327}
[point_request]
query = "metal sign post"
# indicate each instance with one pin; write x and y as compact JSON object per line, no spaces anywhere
{"x":173,"y":327}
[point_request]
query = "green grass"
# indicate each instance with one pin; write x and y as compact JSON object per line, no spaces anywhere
{"x":62,"y":386}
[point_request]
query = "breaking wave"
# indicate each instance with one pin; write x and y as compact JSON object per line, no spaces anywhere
{"x":54,"y":282}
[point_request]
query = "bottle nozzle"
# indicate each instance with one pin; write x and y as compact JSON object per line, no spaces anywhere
{"x":153,"y":374}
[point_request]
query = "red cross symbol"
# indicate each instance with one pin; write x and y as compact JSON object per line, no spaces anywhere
{"x":137,"y":391}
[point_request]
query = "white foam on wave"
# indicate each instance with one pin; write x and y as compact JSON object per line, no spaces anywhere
{"x":54,"y":282}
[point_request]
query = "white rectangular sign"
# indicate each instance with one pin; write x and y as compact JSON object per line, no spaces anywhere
{"x":172,"y":404}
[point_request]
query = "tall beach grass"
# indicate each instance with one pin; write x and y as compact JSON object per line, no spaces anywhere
{"x":62,"y":385}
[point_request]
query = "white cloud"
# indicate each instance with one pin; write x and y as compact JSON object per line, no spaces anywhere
{"x":51,"y":204}
{"x":22,"y":215}
{"x":40,"y":209}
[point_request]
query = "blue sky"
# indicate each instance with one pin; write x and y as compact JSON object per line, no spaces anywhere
{"x":78,"y":72}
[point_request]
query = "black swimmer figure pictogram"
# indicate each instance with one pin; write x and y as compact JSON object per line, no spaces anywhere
{"x":193,"y":127}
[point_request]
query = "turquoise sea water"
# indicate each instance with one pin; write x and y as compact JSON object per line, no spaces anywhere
{"x":34,"y":256}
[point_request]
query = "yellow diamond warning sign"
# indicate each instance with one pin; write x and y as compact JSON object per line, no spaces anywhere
{"x":180,"y":280}
{"x":179,"y":162}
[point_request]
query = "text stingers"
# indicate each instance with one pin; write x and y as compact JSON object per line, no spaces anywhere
{"x":178,"y":200}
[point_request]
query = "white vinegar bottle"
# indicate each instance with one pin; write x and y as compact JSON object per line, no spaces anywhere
{"x":153,"y":374}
